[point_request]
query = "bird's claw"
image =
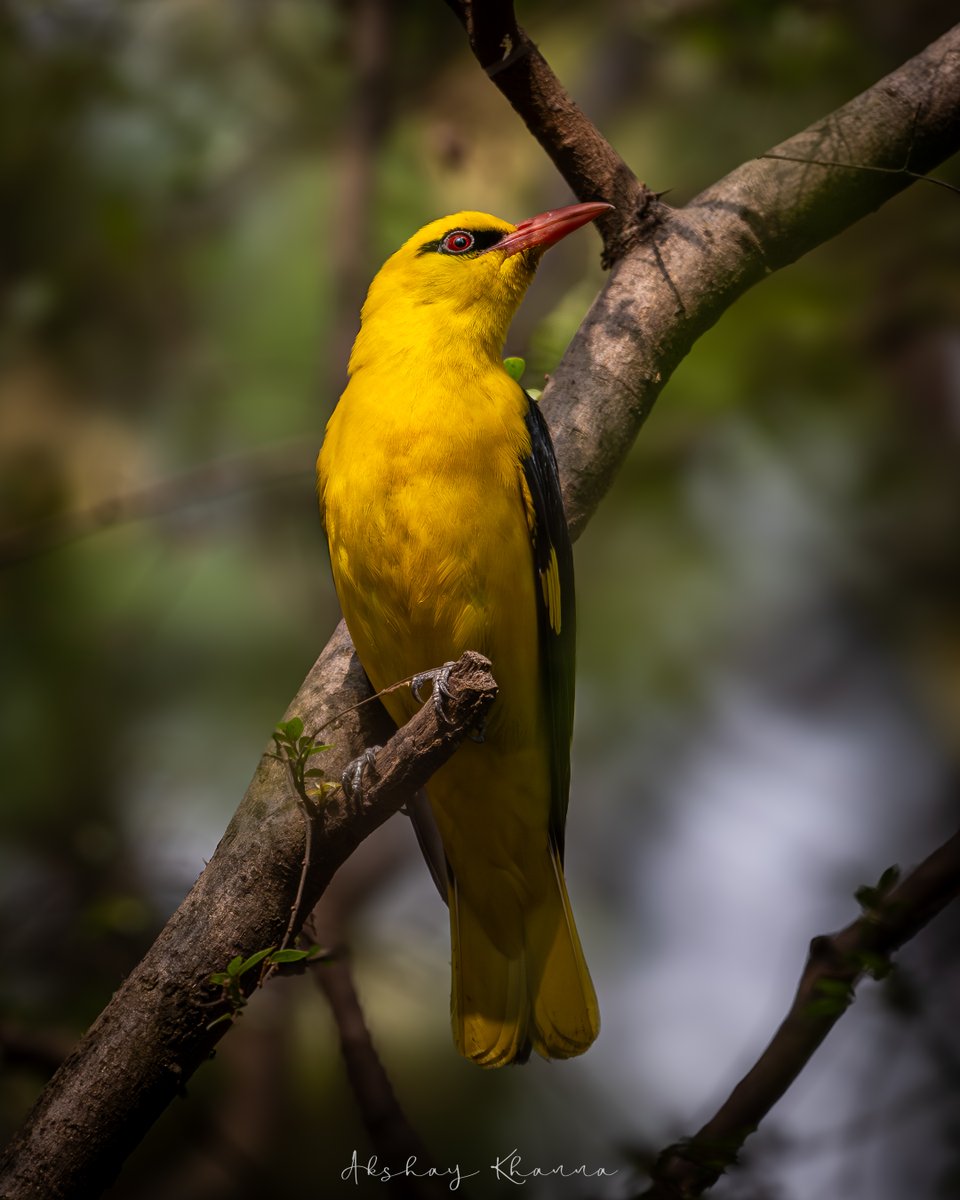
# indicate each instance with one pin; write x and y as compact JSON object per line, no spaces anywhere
{"x":352,"y":778}
{"x":439,"y":677}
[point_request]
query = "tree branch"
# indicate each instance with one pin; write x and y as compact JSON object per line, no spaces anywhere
{"x":700,"y":258}
{"x":260,"y":468}
{"x":392,"y":1137}
{"x":582,"y":155}
{"x":836,"y":963}
{"x":157,"y":1030}
{"x":660,"y":297}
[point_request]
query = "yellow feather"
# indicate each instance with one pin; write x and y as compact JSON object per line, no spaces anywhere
{"x":428,"y":518}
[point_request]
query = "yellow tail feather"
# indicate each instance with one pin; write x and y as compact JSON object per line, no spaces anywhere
{"x":488,"y":1006}
{"x":503,"y":1003}
{"x":565,"y":1013}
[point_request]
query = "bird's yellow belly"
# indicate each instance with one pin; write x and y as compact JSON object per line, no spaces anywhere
{"x":431,"y":559}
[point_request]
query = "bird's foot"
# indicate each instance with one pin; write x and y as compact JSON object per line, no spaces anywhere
{"x":439,"y":677}
{"x":353,"y":773}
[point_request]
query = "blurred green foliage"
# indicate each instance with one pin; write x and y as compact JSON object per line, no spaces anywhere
{"x":171,"y":271}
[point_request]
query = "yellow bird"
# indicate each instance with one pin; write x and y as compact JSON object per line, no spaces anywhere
{"x":441,"y":502}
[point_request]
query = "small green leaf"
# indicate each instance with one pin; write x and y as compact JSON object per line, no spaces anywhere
{"x":288,"y":956}
{"x":314,"y":772}
{"x":290,"y":730}
{"x":515,"y":368}
{"x":535,"y":394}
{"x":318,"y":748}
{"x":234,"y":966}
{"x":251,"y":961}
{"x":220,"y":977}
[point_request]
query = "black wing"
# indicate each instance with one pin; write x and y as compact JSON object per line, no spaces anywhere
{"x":556,"y":607}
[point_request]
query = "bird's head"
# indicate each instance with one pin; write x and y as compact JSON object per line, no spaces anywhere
{"x":461,"y":277}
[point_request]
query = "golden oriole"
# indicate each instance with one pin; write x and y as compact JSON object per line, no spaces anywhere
{"x":441,"y":502}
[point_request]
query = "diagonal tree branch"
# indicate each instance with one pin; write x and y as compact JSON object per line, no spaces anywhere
{"x":582,"y":155}
{"x":391,"y":1135}
{"x":836,"y":963}
{"x":700,"y":258}
{"x":662,"y":294}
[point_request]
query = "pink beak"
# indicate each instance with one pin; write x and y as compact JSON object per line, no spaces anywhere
{"x":549,"y":227}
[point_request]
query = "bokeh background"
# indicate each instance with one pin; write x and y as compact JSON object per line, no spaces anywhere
{"x":194,"y":195}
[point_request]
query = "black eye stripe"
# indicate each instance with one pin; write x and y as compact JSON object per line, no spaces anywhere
{"x":483,"y":239}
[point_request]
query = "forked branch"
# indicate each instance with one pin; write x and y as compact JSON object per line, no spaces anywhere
{"x":582,"y":155}
{"x":835,"y":964}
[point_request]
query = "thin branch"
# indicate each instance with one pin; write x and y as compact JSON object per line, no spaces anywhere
{"x":582,"y":155}
{"x":211,"y":481}
{"x":835,"y":965}
{"x":157,"y":1028}
{"x":393,"y":1138}
{"x":913,"y":176}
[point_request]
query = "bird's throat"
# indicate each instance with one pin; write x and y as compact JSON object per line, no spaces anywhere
{"x":420,"y":341}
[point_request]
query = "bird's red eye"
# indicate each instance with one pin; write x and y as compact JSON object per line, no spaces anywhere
{"x":458,"y":241}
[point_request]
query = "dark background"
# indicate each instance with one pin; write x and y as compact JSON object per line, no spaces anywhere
{"x":193,"y":196}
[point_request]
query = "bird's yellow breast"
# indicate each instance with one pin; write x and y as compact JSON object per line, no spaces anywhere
{"x":420,"y":483}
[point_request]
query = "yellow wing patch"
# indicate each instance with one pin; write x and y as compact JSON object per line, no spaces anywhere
{"x":529,"y":511}
{"x":550,"y":586}
{"x":549,"y":575}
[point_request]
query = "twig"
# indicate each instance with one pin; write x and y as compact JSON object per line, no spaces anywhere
{"x":915,"y":176}
{"x":312,"y":804}
{"x":211,"y":481}
{"x":582,"y":155}
{"x":392,"y":1137}
{"x":835,"y":965}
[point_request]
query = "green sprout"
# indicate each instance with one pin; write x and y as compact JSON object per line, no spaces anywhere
{"x":230,"y":979}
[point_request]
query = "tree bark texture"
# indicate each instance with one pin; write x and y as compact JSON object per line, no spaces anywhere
{"x":697,"y":260}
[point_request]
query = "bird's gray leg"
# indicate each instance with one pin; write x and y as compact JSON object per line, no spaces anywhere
{"x":352,"y":778}
{"x":439,"y":677}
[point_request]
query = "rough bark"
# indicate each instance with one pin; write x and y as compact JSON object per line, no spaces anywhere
{"x":697,"y":260}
